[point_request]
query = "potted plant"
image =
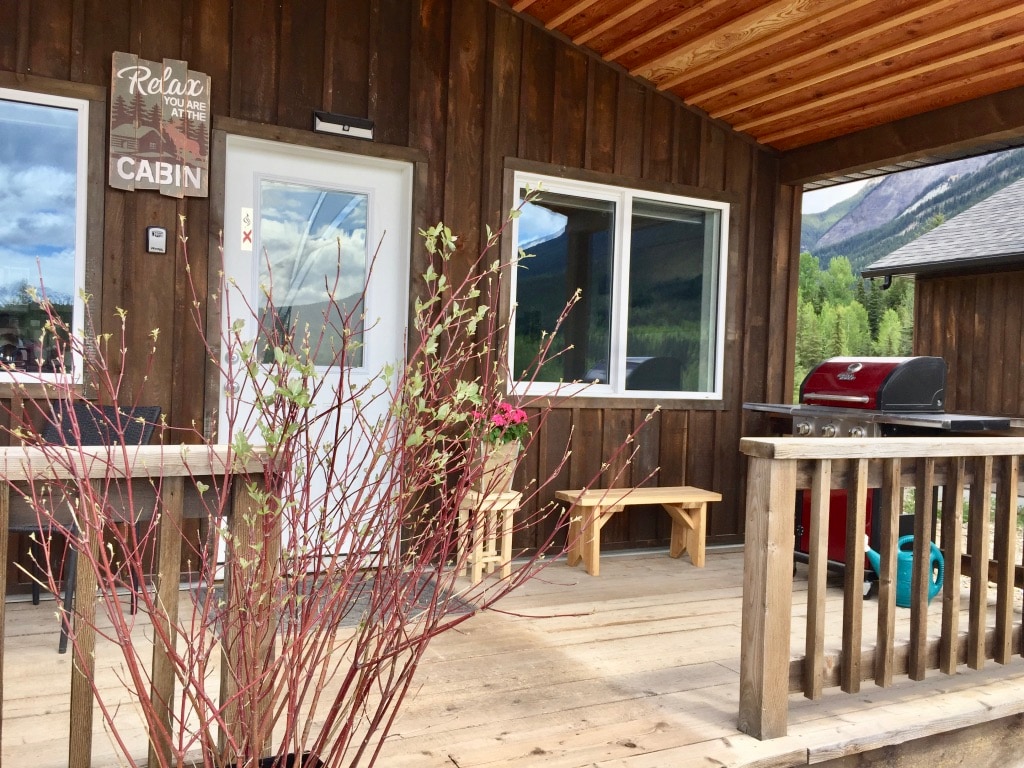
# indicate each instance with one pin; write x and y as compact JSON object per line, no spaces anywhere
{"x":501,"y":430}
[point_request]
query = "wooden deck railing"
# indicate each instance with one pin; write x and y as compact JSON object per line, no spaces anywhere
{"x":178,"y":467}
{"x":945,"y":474}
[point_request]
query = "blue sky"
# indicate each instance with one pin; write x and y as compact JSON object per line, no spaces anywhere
{"x":823,"y":199}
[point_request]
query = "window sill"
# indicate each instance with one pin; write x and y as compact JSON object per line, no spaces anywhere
{"x":622,"y":401}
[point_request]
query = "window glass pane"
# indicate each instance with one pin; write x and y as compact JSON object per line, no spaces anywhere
{"x":38,"y":195}
{"x":569,"y":240}
{"x":313,"y":246}
{"x":672,"y":298}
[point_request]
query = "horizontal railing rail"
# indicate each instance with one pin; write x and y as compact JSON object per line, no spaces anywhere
{"x":952,"y":480}
{"x":170,"y":469}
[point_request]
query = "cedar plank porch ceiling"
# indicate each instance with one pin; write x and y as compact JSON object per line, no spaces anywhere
{"x":795,"y":72}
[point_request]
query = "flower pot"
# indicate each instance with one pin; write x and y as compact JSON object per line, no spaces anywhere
{"x":499,"y":462}
{"x":289,"y":761}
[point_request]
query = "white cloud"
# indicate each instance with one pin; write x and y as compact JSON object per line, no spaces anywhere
{"x":302,"y":265}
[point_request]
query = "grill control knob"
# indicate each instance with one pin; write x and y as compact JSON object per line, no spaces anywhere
{"x":803,"y":428}
{"x":829,"y":430}
{"x":857,"y":432}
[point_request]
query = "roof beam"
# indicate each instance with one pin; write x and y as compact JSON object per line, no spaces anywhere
{"x":998,"y":118}
{"x":944,"y":34}
{"x":716,"y":59}
{"x":895,"y":78}
{"x":576,"y":8}
{"x":612,"y":21}
{"x":818,"y":52}
{"x":937,"y":89}
{"x":675,"y":22}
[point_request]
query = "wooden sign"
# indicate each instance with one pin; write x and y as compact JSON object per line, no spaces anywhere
{"x":159,"y":126}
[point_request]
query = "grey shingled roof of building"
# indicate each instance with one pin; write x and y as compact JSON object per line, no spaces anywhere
{"x":989,"y":234}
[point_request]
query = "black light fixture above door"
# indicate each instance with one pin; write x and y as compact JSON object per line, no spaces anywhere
{"x":342,"y":125}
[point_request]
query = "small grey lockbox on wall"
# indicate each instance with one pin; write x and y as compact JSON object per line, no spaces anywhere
{"x":156,"y":240}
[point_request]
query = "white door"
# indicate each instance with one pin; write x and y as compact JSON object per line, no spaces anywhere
{"x":305,"y":222}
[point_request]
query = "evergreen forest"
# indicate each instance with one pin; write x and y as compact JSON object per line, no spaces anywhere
{"x":840,"y":314}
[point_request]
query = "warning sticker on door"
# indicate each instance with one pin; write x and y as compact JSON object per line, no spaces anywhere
{"x":246,"y":244}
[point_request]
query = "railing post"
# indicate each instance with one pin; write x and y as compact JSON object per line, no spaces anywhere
{"x":84,"y":650}
{"x":5,"y":509}
{"x":767,"y":598}
{"x":168,"y":577}
{"x":250,"y":629}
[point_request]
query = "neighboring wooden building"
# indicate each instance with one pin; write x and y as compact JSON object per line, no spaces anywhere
{"x":969,"y":301}
{"x":465,"y":94}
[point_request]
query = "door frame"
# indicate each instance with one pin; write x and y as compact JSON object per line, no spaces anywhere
{"x":221,"y":128}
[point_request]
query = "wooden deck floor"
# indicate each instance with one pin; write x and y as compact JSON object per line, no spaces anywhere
{"x":634,"y":669}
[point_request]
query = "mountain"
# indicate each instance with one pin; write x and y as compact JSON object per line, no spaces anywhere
{"x":901,"y":207}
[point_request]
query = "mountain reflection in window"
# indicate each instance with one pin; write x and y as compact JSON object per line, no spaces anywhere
{"x":313,"y":262}
{"x":569,"y":240}
{"x":672,"y":291}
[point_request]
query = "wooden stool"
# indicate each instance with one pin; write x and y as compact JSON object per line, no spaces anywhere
{"x":481,"y":516}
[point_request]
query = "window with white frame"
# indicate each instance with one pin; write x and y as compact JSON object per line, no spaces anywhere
{"x":649,"y":269}
{"x":43,"y":182}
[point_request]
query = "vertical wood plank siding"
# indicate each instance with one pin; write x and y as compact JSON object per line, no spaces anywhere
{"x":975,"y":322}
{"x":471,"y":86}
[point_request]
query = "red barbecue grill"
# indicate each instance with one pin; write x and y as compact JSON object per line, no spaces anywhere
{"x":870,"y":397}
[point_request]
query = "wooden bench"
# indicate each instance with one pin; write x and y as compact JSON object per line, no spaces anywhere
{"x":686,"y":505}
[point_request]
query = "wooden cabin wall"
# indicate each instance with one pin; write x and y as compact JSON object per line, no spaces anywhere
{"x":975,"y":322}
{"x":469,"y":85}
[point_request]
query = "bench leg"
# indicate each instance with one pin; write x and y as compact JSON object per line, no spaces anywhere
{"x":688,"y":531}
{"x":575,"y":544}
{"x":592,"y":540}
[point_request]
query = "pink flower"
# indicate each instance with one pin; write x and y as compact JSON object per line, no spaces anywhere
{"x":505,"y":423}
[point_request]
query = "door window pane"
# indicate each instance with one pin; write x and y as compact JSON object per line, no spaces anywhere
{"x":569,"y":240}
{"x":40,"y":191}
{"x":313,"y":260}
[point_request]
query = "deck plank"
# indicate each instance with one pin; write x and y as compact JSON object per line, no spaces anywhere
{"x":635,"y":669}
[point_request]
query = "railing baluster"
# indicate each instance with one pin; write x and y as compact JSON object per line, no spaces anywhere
{"x":923,"y":498}
{"x":1005,"y":555}
{"x":890,"y":506}
{"x":952,"y":547}
{"x":981,"y":492}
{"x":853,"y":586}
{"x":817,"y":549}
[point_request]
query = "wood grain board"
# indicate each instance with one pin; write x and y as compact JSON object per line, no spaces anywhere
{"x":637,"y":669}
